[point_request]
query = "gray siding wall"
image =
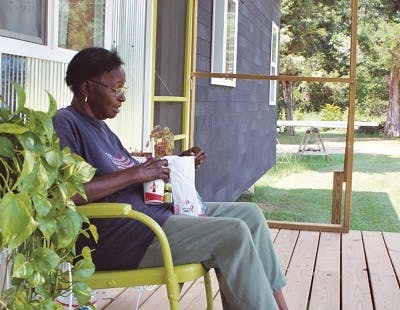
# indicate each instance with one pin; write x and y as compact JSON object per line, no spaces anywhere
{"x":236,"y":126}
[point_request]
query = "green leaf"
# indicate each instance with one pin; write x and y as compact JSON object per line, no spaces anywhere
{"x":6,"y":147}
{"x":29,"y":181}
{"x":21,"y":97}
{"x":31,"y":142}
{"x":52,"y":173}
{"x":93,"y":231}
{"x":74,"y":187}
{"x":21,"y":268}
{"x":44,"y":290}
{"x":83,"y":170}
{"x":52,"y":105}
{"x":21,"y":302}
{"x":36,"y":279}
{"x":60,"y":193}
{"x":53,"y":158}
{"x":87,"y":253}
{"x":16,"y":221}
{"x":8,"y":295}
{"x":43,"y":177}
{"x":47,"y":225}
{"x":48,"y":304}
{"x":43,"y":123}
{"x":82,"y":292}
{"x":41,"y":204}
{"x":5,"y":112}
{"x":84,"y":268}
{"x":44,"y":259}
{"x":12,"y":128}
{"x":29,"y":164}
{"x":68,"y":229}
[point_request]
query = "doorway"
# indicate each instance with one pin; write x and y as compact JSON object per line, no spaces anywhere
{"x":172,"y":54}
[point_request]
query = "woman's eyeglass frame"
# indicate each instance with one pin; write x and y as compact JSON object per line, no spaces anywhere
{"x":117,"y":91}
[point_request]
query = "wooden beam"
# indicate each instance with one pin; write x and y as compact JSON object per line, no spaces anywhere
{"x":248,"y":76}
{"x":306,"y":226}
{"x":338,"y":177}
{"x":324,"y":124}
{"x":348,"y":157}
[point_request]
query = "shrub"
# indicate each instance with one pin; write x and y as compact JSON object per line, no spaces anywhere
{"x":330,"y":112}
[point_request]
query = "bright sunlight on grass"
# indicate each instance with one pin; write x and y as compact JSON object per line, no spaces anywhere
{"x":301,"y":190}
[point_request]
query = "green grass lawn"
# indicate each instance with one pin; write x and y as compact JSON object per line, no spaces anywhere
{"x":301,"y":190}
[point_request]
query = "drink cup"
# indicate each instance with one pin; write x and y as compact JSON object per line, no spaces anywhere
{"x":154,"y":192}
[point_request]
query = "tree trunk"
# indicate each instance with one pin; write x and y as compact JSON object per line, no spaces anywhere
{"x":287,"y":90}
{"x":392,"y":127}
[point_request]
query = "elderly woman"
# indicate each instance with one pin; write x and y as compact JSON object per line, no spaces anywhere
{"x":232,"y":238}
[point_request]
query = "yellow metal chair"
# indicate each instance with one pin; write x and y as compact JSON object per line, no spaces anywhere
{"x":168,"y":274}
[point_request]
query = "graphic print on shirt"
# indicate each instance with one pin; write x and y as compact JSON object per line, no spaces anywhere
{"x":121,"y":161}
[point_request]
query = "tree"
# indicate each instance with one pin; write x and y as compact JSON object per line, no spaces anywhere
{"x":379,"y":40}
{"x":315,"y":37}
{"x":314,"y":41}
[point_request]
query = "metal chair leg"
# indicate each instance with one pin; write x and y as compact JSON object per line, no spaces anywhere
{"x":209,"y":294}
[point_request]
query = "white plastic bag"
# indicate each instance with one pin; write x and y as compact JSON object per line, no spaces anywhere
{"x":186,"y":199}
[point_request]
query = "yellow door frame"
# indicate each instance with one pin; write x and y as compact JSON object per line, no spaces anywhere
{"x":185,"y":100}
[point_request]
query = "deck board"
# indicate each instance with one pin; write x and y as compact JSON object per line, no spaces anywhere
{"x":357,"y":270}
{"x":301,"y":269}
{"x":105,"y":297}
{"x":392,"y":241}
{"x":385,"y":288}
{"x":284,"y":245}
{"x":326,"y":285}
{"x":355,"y":285}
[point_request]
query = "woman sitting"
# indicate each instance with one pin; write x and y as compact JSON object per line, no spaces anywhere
{"x":232,"y":238}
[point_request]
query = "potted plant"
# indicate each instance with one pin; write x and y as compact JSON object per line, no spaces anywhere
{"x":162,"y":140}
{"x":39,"y":223}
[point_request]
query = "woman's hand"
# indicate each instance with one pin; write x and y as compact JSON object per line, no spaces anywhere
{"x":198,"y":153}
{"x":105,"y":185}
{"x":156,"y":168}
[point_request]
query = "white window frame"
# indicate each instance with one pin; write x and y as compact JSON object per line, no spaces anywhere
{"x":219,"y":33}
{"x":51,"y":51}
{"x":273,"y":84}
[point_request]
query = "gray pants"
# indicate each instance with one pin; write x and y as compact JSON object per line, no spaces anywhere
{"x":234,"y":239}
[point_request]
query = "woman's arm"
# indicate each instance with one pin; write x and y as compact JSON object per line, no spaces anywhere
{"x":105,"y":185}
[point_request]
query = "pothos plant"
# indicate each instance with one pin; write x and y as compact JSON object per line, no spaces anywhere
{"x":162,"y":140}
{"x":38,"y":220}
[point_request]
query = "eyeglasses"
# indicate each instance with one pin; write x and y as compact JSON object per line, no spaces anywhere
{"x":118,"y":91}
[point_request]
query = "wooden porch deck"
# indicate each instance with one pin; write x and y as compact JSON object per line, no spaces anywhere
{"x":358,"y":270}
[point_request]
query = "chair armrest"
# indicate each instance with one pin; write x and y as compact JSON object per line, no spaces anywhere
{"x":104,"y":209}
{"x":122,"y":210}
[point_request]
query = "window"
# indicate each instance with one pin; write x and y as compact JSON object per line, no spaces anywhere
{"x":273,"y":85}
{"x":24,"y":20}
{"x":224,"y":40}
{"x":54,"y":30}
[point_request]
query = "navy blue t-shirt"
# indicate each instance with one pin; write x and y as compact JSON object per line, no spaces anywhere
{"x":122,"y":243}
